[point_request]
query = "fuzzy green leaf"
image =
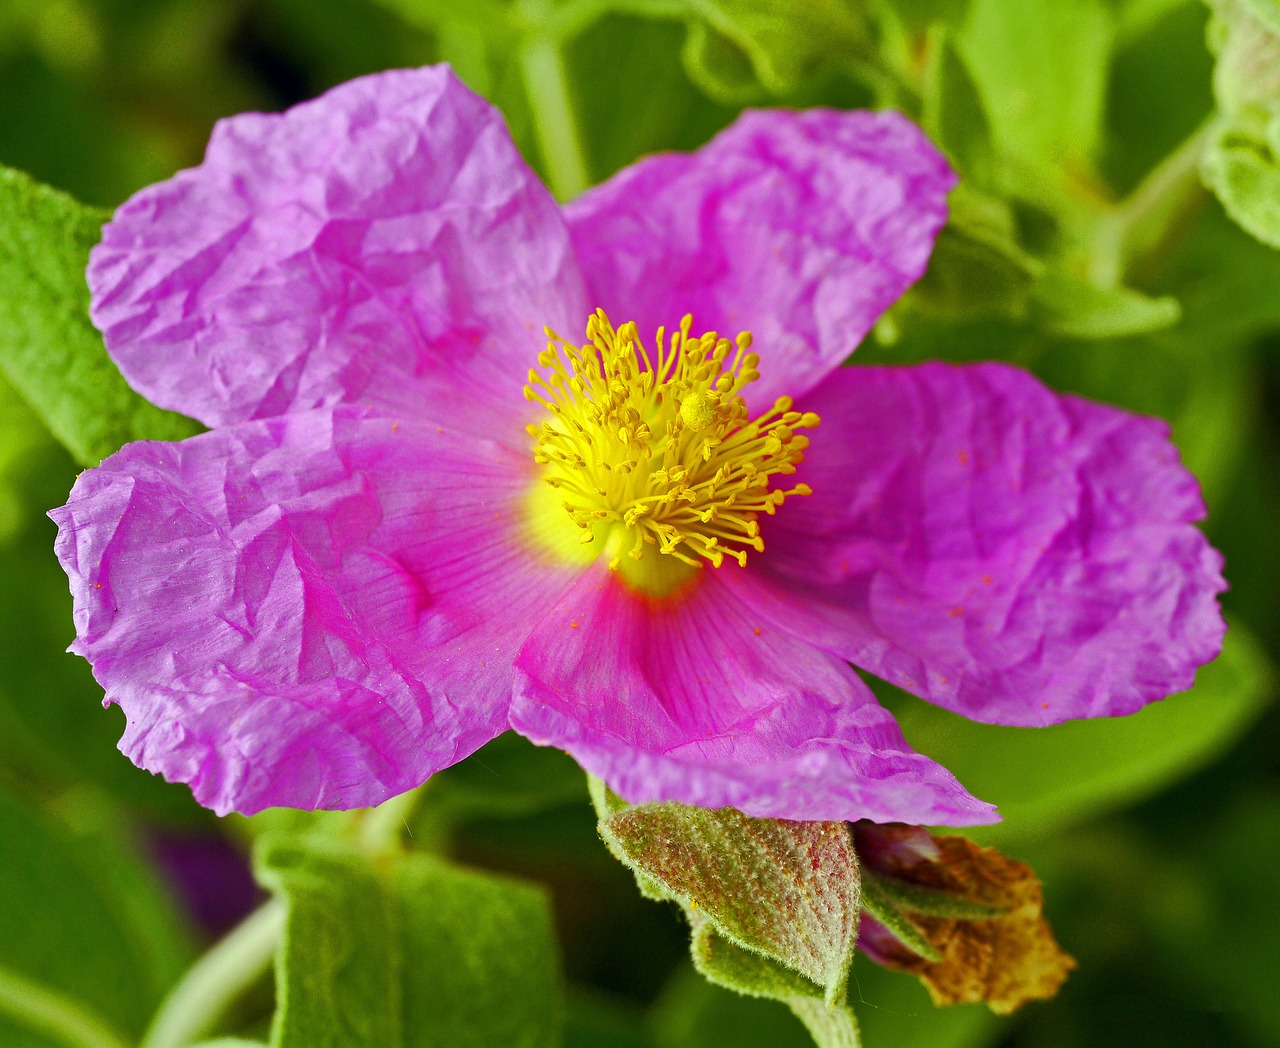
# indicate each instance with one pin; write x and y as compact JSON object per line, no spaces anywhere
{"x":786,"y":890}
{"x":743,"y":971}
{"x":830,"y":1024}
{"x":912,"y":898}
{"x":408,"y":952}
{"x":884,"y":909}
{"x":48,"y":349}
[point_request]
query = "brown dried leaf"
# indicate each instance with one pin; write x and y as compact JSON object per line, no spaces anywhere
{"x":1003,"y":961}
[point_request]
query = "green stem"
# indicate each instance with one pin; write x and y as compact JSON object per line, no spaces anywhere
{"x":1142,"y":225}
{"x":547,"y":86}
{"x":381,"y":829}
{"x":216,"y":979}
{"x":830,"y":1027}
{"x":39,"y":1008}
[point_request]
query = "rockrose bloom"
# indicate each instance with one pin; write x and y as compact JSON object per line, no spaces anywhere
{"x":417,"y":522}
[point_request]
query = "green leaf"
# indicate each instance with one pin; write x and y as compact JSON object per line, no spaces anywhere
{"x":1242,"y":168}
{"x":41,"y":1015}
{"x":1244,"y":36}
{"x":230,"y":1042}
{"x":786,"y":890}
{"x":21,"y":433}
{"x":82,"y":919}
{"x":606,"y":804}
{"x":1071,"y":306}
{"x":718,"y":66}
{"x":618,"y":122}
{"x":1266,"y":11}
{"x":48,"y":348}
{"x":1134,"y":18}
{"x":408,"y":951}
{"x":977,"y":268}
{"x":931,"y":903}
{"x":744,"y":971}
{"x":787,"y":41}
{"x":954,"y":115}
{"x":779,"y":44}
{"x":920,"y":15}
{"x":53,"y":730}
{"x":1046,"y":778}
{"x":885,"y":910}
{"x":493,"y":18}
{"x":1241,"y":163}
{"x":1041,"y":68}
{"x":831,"y":1025}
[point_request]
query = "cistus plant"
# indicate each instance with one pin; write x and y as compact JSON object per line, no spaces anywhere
{"x":417,"y":451}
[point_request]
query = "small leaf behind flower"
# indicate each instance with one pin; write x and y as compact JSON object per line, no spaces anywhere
{"x":902,"y":927}
{"x":915,"y":899}
{"x":832,"y":1025}
{"x":789,"y":891}
{"x":745,"y":972}
{"x":48,"y":348}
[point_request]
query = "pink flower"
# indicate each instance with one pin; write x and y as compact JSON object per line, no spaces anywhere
{"x":359,"y":576}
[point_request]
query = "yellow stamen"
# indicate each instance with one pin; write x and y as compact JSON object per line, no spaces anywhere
{"x":660,"y":456}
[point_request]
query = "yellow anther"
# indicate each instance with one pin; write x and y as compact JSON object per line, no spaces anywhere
{"x":661,"y":445}
{"x":698,"y":410}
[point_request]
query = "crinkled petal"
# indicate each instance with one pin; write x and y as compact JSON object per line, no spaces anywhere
{"x":1014,"y":555}
{"x":693,"y":701}
{"x":383,"y":244}
{"x":802,"y":227}
{"x":317,"y":611}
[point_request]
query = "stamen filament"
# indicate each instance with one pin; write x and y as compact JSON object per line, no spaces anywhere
{"x":666,"y":449}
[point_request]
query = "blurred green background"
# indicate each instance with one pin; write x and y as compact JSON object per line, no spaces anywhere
{"x":1157,"y":837}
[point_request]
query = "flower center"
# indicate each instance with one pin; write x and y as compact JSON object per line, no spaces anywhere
{"x":656,"y":453}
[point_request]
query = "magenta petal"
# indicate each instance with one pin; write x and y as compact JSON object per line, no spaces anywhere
{"x":692,"y":702}
{"x":802,"y":227}
{"x":384,"y":243}
{"x":318,"y":610}
{"x":1014,"y":555}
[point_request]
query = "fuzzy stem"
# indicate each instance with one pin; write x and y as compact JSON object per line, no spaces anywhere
{"x":193,"y":1007}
